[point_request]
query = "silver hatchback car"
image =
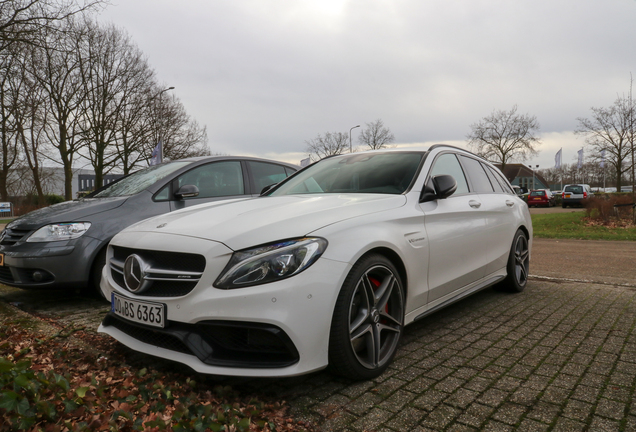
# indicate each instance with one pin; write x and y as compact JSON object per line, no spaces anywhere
{"x":575,"y":194}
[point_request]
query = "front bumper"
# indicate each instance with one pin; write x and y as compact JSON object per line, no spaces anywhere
{"x":276,"y":329}
{"x":64,"y":264}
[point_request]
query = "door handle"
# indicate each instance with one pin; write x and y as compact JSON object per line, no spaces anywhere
{"x":509,"y":203}
{"x":474,"y":204}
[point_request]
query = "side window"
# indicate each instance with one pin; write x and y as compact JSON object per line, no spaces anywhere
{"x":448,"y":164}
{"x":493,"y":180}
{"x":266,"y":174}
{"x":163,"y":194}
{"x":502,"y":181}
{"x":216,"y":179}
{"x":477,"y":175}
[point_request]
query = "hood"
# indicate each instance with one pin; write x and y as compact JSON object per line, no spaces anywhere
{"x":246,"y":223}
{"x":68,"y":211}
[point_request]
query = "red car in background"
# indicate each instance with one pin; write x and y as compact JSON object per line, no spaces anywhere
{"x":541,"y":197}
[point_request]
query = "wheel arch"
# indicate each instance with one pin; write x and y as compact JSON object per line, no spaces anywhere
{"x":395,"y":259}
{"x":525,"y":231}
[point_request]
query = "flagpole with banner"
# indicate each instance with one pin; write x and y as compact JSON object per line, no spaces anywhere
{"x":603,"y":166}
{"x":156,"y":156}
{"x":580,"y":164}
{"x":557,"y":164}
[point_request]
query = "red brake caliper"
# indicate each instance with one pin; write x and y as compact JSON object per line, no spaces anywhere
{"x":377,"y":285}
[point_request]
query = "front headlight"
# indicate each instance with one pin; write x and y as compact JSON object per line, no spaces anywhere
{"x":269,"y":263}
{"x":61,"y":231}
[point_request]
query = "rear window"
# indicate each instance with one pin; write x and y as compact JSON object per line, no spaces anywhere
{"x":537,"y":193}
{"x":574,"y":189}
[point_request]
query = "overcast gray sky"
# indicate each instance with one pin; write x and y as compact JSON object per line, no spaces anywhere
{"x":264,"y":76}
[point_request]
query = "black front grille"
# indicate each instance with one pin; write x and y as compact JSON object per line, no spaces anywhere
{"x":160,"y":261}
{"x":163,"y":260}
{"x":159,"y":288}
{"x":13,"y":235}
{"x":218,"y":343}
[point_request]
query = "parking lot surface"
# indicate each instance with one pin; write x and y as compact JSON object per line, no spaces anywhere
{"x":561,"y":356}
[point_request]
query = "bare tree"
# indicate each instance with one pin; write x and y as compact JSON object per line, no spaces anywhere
{"x":30,"y":116}
{"x":376,"y":136}
{"x":23,"y":21}
{"x":135,"y":126}
{"x":8,"y":142}
{"x":55,"y":67}
{"x":181,"y":136}
{"x":609,"y":131}
{"x":114,"y":73}
{"x":333,"y":143}
{"x":504,"y":136}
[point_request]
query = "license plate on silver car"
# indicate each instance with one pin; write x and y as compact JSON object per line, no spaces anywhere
{"x":144,"y":312}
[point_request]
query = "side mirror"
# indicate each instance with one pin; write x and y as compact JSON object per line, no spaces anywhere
{"x":187,"y":191}
{"x":438,"y":187}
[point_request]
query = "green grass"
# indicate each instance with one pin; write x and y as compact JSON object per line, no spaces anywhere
{"x":572,"y":226}
{"x":5,"y":221}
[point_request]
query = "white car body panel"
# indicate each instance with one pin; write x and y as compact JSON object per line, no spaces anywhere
{"x":443,"y":249}
{"x":250,"y":222}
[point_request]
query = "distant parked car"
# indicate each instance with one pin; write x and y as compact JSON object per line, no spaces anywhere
{"x":64,"y":245}
{"x":575,"y":194}
{"x":541,"y":197}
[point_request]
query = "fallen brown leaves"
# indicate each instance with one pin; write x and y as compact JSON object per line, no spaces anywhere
{"x":610,"y":223}
{"x":50,"y":383}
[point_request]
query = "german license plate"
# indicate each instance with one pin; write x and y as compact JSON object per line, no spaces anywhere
{"x":144,"y":312}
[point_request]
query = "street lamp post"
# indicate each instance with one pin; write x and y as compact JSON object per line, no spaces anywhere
{"x":161,"y":122}
{"x":533,"y":175}
{"x":350,"y":137}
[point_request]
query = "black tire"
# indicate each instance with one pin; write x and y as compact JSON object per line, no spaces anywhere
{"x":95,"y":277}
{"x":518,"y":264}
{"x":563,"y":206}
{"x":368,"y":319}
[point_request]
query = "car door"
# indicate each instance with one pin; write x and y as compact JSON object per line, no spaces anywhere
{"x":497,"y":210}
{"x":456,"y":231}
{"x":216,"y":181}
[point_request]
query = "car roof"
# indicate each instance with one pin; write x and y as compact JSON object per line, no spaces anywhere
{"x":228,"y":157}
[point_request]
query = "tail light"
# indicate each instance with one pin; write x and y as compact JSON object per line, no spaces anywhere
{"x":562,"y":195}
{"x":584,"y":194}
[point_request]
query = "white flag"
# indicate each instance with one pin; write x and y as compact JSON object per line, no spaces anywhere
{"x":557,"y":159}
{"x":580,"y":152}
{"x":603,"y":158}
{"x":155,"y":157}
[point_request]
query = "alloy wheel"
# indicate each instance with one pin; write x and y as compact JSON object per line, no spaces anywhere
{"x":375,"y":317}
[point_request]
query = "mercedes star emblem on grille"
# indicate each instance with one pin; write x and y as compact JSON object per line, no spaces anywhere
{"x":135,"y":274}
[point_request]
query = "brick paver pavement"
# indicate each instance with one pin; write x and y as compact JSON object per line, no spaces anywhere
{"x":557,"y":357}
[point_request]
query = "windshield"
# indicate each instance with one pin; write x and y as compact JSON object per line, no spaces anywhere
{"x":383,"y":173}
{"x":574,"y":189}
{"x":140,"y":180}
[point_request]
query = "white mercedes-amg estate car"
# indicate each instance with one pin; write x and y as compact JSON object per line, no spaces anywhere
{"x":323,"y":269}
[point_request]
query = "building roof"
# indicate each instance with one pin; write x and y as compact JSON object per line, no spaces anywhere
{"x":513,"y":171}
